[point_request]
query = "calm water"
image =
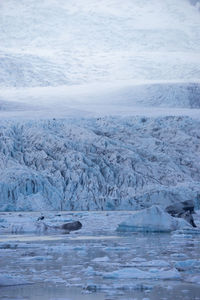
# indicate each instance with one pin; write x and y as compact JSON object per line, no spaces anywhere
{"x":78,"y":266}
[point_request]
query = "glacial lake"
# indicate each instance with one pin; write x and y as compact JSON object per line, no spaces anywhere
{"x":96,"y":262}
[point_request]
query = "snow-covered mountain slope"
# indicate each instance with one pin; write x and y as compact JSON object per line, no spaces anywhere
{"x":132,"y":94}
{"x":53,"y":42}
{"x":99,"y":163}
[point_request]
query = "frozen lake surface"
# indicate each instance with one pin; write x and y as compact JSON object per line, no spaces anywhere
{"x":95,"y":262}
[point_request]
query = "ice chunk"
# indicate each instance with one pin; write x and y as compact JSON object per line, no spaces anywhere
{"x":153,"y":219}
{"x":139,"y":259}
{"x":135,"y":273}
{"x":101,"y":259}
{"x":188,"y":264}
{"x":194,"y":279}
{"x":38,"y":258}
{"x":8,"y":280}
{"x":152,"y":263}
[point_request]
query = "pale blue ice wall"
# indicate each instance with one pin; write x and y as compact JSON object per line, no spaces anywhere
{"x":95,"y":164}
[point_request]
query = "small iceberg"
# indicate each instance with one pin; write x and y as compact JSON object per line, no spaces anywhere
{"x":153,"y":219}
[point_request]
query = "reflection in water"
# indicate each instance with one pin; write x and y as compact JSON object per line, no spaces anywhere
{"x":30,"y":238}
{"x":46,"y":292}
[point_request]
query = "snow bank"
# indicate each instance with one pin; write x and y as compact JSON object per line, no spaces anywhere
{"x":153,"y":219}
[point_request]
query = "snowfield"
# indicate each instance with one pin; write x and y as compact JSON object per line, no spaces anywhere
{"x":50,"y":43}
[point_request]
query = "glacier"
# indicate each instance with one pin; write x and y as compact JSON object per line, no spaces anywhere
{"x":103,"y":163}
{"x":99,"y":104}
{"x":99,"y":123}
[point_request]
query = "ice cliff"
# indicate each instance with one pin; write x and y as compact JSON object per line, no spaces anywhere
{"x":99,"y":163}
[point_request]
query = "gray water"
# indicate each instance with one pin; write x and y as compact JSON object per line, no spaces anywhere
{"x":76,"y":266}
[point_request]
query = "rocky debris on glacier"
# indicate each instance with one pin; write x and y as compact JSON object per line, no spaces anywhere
{"x":99,"y":163}
{"x":153,"y":219}
{"x":72,"y":226}
{"x":182,"y":210}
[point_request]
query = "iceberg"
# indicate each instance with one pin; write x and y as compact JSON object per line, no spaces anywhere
{"x":153,"y":219}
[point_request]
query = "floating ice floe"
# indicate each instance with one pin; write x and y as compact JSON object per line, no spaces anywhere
{"x":152,"y":263}
{"x":153,"y":219}
{"x":135,"y":273}
{"x":37,"y":258}
{"x":188,"y":264}
{"x":101,"y":259}
{"x":9,"y":280}
{"x":194,"y":279}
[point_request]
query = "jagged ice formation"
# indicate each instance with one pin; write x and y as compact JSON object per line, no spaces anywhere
{"x":99,"y":163}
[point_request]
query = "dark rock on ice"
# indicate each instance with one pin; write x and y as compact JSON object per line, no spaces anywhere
{"x":182,"y":210}
{"x":67,"y":227}
{"x":72,"y":226}
{"x":41,"y":218}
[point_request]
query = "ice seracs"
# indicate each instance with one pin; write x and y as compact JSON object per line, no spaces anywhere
{"x":105,"y":163}
{"x":153,"y":219}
